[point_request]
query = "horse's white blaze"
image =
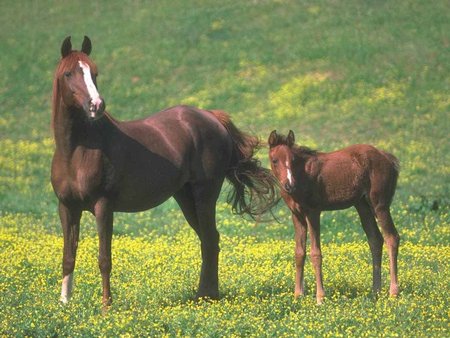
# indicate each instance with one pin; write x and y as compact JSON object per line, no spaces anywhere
{"x":289,"y":174}
{"x":92,"y":90}
{"x":66,"y":290}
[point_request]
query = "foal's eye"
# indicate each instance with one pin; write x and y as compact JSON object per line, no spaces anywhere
{"x":275,"y":161}
{"x":67,"y":74}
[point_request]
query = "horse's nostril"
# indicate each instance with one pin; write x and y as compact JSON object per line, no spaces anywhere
{"x":96,"y":107}
{"x":101,"y":107}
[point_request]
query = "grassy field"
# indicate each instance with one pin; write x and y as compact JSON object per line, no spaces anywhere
{"x":335,"y":72}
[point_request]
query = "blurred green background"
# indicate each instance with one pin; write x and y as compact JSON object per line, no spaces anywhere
{"x":360,"y":72}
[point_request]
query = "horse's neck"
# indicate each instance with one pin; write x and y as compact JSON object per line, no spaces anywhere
{"x":71,"y":133}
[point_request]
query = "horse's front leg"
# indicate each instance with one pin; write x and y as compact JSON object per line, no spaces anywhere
{"x":104,"y":218}
{"x":300,"y":227}
{"x":313,"y":219}
{"x":70,"y":223}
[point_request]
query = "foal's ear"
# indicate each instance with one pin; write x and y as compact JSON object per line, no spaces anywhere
{"x":86,"y":47}
{"x":66,"y":47}
{"x":290,"y":139}
{"x":272,"y":138}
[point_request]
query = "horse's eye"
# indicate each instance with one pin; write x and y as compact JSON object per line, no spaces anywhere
{"x":67,"y":74}
{"x":275,"y":161}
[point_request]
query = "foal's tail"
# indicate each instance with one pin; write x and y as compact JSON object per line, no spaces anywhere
{"x":395,"y":163}
{"x":254,"y":190}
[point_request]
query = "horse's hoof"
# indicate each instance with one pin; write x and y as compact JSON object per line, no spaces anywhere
{"x":207,"y":296}
{"x":394,"y":291}
{"x":320,"y":300}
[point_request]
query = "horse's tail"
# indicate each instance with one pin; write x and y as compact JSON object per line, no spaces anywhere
{"x":254,"y":187}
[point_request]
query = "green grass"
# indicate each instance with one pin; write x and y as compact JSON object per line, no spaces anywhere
{"x":336,"y":73}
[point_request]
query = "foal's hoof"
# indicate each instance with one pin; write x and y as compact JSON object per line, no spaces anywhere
{"x":298,"y":294}
{"x":320,"y":300}
{"x":106,"y":305}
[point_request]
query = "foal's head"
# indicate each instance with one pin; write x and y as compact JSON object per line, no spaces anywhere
{"x":281,"y":158}
{"x":75,"y":80}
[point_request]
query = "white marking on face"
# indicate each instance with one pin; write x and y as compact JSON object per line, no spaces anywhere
{"x":92,"y":90}
{"x":66,"y":290}
{"x":289,"y":173}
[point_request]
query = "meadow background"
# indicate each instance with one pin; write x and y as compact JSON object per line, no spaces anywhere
{"x":335,"y":72}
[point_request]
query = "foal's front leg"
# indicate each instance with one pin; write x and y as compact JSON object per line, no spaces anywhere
{"x":313,"y":219}
{"x":104,"y":218}
{"x":300,"y":227}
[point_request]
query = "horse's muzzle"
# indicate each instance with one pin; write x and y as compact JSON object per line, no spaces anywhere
{"x":96,"y":109}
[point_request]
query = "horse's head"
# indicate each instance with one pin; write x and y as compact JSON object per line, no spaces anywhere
{"x":76,"y":80}
{"x":282,"y":159}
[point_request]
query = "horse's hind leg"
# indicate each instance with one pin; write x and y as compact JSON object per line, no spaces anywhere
{"x":203,"y":220}
{"x":391,"y":237}
{"x":70,"y":222}
{"x":185,"y":200}
{"x":375,"y":239}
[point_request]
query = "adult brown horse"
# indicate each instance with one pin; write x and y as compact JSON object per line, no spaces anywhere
{"x":311,"y":182}
{"x":103,"y":165}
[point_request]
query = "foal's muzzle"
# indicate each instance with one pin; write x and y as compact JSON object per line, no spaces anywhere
{"x":289,"y":188}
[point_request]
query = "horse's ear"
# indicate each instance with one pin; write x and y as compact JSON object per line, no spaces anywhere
{"x":272,"y":138}
{"x":86,"y":47}
{"x":290,"y":140}
{"x":66,"y":47}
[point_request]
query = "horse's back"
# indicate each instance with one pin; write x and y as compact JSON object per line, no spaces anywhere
{"x":160,"y":154}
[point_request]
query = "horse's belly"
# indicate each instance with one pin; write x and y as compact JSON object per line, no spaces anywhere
{"x":124,"y":205}
{"x":146,"y":193}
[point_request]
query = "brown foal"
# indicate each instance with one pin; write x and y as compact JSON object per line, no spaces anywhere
{"x":311,"y":182}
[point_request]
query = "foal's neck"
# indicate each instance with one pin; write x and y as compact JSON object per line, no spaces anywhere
{"x":303,"y":154}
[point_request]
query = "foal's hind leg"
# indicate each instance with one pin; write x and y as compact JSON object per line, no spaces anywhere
{"x":392,"y":240}
{"x":390,"y":234}
{"x":203,"y":220}
{"x":375,"y":239}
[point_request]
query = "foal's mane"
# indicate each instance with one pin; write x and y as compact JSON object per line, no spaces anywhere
{"x":297,"y":150}
{"x":303,"y":150}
